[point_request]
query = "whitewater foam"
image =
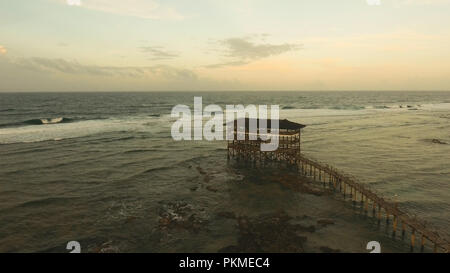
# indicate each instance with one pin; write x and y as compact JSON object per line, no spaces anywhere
{"x":60,"y":130}
{"x":52,"y":120}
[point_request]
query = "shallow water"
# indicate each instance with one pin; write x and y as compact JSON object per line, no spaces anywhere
{"x":109,"y":173}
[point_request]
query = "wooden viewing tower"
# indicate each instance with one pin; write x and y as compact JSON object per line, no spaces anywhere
{"x":246,"y":143}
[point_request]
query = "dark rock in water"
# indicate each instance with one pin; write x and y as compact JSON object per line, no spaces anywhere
{"x":201,"y":171}
{"x":194,"y":188}
{"x":227,"y":214}
{"x":437,"y":141}
{"x":130,"y":219}
{"x":209,"y":188}
{"x":302,"y":228}
{"x":326,"y":249}
{"x":288,"y":107}
{"x":107,"y":247}
{"x":302,"y":185}
{"x":325,"y":222}
{"x":229,"y":249}
{"x":268,"y":233}
{"x":180,"y":215}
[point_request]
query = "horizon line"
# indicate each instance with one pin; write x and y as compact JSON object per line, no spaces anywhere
{"x":212,"y":91}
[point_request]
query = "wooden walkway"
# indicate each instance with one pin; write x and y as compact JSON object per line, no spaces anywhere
{"x":347,"y":184}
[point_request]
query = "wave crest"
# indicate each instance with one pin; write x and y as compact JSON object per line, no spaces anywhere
{"x":47,"y":121}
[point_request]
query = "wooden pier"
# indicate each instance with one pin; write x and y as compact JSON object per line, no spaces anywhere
{"x":289,"y":152}
{"x":381,"y":207}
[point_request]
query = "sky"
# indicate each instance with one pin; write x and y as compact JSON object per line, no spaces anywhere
{"x":212,"y":45}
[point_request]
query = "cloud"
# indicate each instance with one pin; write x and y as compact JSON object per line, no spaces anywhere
{"x":147,"y":9}
{"x":158,"y":53}
{"x":76,"y":68}
{"x":224,"y":64}
{"x":242,"y":51}
{"x":60,"y":75}
{"x":3,"y":50}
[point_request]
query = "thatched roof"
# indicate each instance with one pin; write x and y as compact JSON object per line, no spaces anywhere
{"x":283,"y":124}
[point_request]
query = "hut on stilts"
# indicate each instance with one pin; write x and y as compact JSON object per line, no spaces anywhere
{"x":247,"y":141}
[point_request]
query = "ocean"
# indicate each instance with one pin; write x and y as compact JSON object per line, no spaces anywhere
{"x":102,"y":169}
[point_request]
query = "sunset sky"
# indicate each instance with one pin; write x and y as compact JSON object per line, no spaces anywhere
{"x":150,"y":45}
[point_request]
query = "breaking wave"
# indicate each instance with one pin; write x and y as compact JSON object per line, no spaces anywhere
{"x":42,"y":121}
{"x":47,"y":121}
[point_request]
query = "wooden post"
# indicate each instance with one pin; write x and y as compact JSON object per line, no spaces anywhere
{"x":379,"y":213}
{"x":345,"y":189}
{"x":403,"y":228}
{"x":352,"y":196}
{"x":413,"y":239}
{"x":395,"y":226}
{"x":422,"y":243}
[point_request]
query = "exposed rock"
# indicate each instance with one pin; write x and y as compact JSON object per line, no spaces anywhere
{"x":299,"y":185}
{"x":325,"y":222}
{"x":106,"y":247}
{"x":267,"y":233}
{"x":181,"y":215}
{"x":210,"y":188}
{"x":201,"y":171}
{"x":326,"y":249}
{"x":130,"y":219}
{"x":227,"y":214}
{"x":437,"y":141}
{"x":229,"y":249}
{"x":302,"y":228}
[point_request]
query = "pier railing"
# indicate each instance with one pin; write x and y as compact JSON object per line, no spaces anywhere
{"x":347,"y":184}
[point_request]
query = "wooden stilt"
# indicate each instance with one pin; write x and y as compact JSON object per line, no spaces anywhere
{"x":413,"y":239}
{"x":394,"y":226}
{"x":422,"y":243}
{"x":379,"y":213}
